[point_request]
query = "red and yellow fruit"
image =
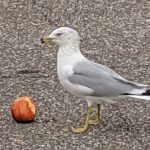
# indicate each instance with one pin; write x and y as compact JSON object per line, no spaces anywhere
{"x":23,"y":109}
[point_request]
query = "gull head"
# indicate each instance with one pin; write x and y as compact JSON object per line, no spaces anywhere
{"x":62,"y":36}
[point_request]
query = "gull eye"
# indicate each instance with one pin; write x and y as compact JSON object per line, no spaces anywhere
{"x":58,"y":34}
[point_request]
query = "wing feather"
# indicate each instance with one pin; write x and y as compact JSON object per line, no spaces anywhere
{"x":102,"y":80}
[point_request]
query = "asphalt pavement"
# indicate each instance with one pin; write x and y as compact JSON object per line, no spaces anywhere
{"x":115,"y":33}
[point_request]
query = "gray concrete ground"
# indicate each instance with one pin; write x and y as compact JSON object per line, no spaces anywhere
{"x":114,"y":32}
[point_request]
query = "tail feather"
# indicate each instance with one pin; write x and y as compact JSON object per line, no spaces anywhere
{"x":140,"y":97}
{"x":145,"y":95}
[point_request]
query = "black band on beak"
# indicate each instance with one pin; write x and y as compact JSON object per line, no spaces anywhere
{"x":42,"y":41}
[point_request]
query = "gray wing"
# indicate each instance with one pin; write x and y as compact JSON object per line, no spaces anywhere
{"x":102,"y":80}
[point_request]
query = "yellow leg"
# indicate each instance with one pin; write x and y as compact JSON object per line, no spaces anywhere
{"x":85,"y":127}
{"x":97,"y":120}
{"x":83,"y":118}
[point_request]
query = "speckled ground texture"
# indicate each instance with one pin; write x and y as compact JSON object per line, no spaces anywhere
{"x":115,"y":33}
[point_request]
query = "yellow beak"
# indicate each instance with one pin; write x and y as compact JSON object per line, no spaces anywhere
{"x":46,"y":39}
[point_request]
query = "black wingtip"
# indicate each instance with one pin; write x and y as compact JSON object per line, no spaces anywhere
{"x":146,"y":93}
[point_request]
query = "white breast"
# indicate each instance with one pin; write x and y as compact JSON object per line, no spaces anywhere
{"x":65,"y":64}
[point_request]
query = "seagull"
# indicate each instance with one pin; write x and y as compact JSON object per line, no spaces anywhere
{"x":91,"y":81}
